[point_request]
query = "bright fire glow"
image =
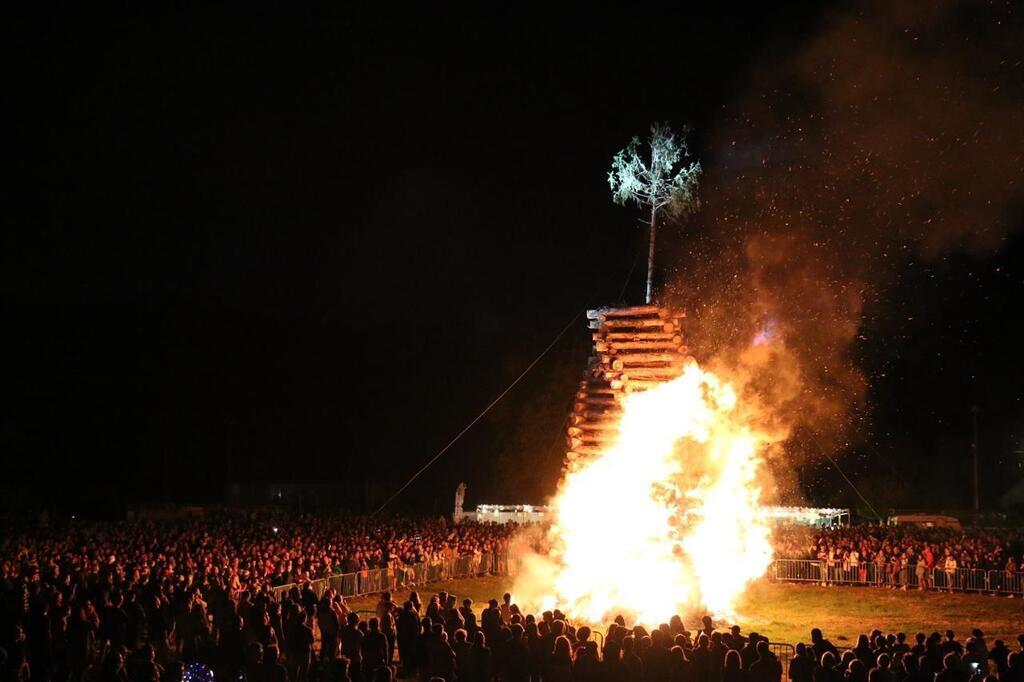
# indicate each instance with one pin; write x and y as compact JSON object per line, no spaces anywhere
{"x":667,"y":518}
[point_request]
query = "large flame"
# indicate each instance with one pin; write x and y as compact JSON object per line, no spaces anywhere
{"x":665,"y":519}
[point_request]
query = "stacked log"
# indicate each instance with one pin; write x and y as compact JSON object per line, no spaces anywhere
{"x":635,"y":349}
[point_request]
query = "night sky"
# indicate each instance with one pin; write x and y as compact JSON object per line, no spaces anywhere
{"x":310,"y":247}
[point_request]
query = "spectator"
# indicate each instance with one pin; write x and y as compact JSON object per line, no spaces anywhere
{"x":821,"y":646}
{"x":732,"y":670}
{"x":559,"y":667}
{"x":407,"y":631}
{"x":271,"y":670}
{"x":375,"y":650}
{"x":951,"y":669}
{"x":999,"y":654}
{"x":801,"y":667}
{"x":767,"y":667}
{"x":480,"y":660}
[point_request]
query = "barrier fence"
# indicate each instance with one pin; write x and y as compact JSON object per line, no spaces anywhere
{"x":868,"y":573}
{"x":376,"y":580}
{"x":785,"y":653}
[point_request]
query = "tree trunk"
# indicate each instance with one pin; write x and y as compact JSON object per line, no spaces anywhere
{"x":650,"y":257}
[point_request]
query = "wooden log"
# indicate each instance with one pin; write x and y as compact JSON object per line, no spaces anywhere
{"x":630,"y":311}
{"x":585,"y":451}
{"x":591,"y":445}
{"x":582,"y":407}
{"x":590,"y":427}
{"x":600,"y":407}
{"x":595,"y":388}
{"x":638,"y":336}
{"x":646,"y":373}
{"x":594,"y":440}
{"x":629,"y":359}
{"x":598,"y":438}
{"x":607,"y":349}
{"x":595,"y":417}
{"x":601,"y":387}
{"x":633,"y":323}
{"x":585,"y":419}
{"x":597,"y":420}
{"x":609,"y":360}
{"x":596,"y":408}
{"x":591,"y":396}
{"x":598,"y":403}
{"x":616,"y":347}
{"x":638,"y":385}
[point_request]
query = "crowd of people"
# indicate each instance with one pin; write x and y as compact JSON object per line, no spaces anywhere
{"x":75,"y":597}
{"x":150,"y":601}
{"x":304,"y":638}
{"x":901,"y":554}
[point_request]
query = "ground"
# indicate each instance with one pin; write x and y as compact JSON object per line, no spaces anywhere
{"x":787,"y":612}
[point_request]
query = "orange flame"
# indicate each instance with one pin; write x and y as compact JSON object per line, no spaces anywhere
{"x":665,"y":519}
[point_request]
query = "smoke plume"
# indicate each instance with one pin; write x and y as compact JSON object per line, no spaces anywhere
{"x":897,"y":133}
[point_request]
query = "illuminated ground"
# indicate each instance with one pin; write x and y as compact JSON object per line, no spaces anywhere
{"x":786,"y":613}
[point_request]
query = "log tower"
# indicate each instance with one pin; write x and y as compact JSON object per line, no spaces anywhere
{"x":634,"y":349}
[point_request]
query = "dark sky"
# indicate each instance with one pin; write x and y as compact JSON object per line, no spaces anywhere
{"x":311,"y":246}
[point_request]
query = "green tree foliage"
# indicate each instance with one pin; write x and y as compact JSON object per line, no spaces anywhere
{"x":657,"y":177}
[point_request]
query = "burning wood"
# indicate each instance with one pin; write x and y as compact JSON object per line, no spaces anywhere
{"x":628,"y":356}
{"x":692,"y":531}
{"x":666,"y":326}
{"x":637,"y":336}
{"x":633,"y":311}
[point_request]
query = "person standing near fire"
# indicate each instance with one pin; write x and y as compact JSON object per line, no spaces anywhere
{"x":949,"y":566}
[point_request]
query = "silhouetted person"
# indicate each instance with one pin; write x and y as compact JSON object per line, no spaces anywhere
{"x":337,"y":670}
{"x":330,"y":628}
{"x":951,"y":670}
{"x":856,"y":671}
{"x":634,"y":665}
{"x":299,"y":644}
{"x":271,"y":669}
{"x":732,"y":669}
{"x":407,"y":630}
{"x":614,"y":669}
{"x":480,"y":660}
{"x":767,"y":667}
{"x":801,"y":667}
{"x":463,"y":650}
{"x":113,"y":669}
{"x":469,"y":619}
{"x":490,"y":620}
{"x":375,"y":650}
{"x":352,"y":646}
{"x":440,"y":657}
{"x":826,"y":670}
{"x":559,"y":667}
{"x":820,"y":645}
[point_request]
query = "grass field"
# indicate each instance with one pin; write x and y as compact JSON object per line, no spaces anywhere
{"x":787,"y":612}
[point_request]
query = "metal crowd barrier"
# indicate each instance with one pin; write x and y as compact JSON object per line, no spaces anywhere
{"x":785,"y":653}
{"x":377,"y":580}
{"x":868,"y":573}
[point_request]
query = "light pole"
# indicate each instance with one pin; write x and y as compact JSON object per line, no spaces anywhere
{"x":974,"y":456}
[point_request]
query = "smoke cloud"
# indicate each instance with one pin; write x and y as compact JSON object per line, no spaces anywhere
{"x":896,"y":133}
